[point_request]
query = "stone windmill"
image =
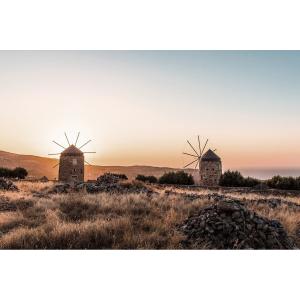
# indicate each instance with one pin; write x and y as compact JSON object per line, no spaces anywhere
{"x":71,"y":161}
{"x":210,"y":164}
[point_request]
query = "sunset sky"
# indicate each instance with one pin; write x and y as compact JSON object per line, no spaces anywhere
{"x":139,"y":107}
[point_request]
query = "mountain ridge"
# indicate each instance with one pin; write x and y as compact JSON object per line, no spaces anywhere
{"x":38,"y":166}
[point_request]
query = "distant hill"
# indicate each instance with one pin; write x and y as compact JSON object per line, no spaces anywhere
{"x":38,"y":167}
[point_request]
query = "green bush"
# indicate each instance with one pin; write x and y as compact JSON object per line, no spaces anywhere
{"x":149,"y":179}
{"x":179,"y":177}
{"x":236,"y":179}
{"x":284,"y":183}
{"x":19,"y":173}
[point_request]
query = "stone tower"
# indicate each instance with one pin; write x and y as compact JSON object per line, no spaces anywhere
{"x":210,"y":169}
{"x":71,"y":165}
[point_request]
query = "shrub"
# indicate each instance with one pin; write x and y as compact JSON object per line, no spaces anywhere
{"x":149,"y":179}
{"x":179,"y":177}
{"x":236,"y":179}
{"x":19,"y":173}
{"x":284,"y":183}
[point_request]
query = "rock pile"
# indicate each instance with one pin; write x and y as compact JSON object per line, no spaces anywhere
{"x":185,"y":196}
{"x":62,"y":188}
{"x":110,"y":179}
{"x":44,"y":179}
{"x":227,"y":224}
{"x":7,"y":185}
{"x":121,"y":188}
{"x":107,"y":183}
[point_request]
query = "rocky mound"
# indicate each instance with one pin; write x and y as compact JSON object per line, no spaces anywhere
{"x":62,"y":188}
{"x":110,"y":179}
{"x":107,"y":183}
{"x":44,"y":179}
{"x":7,"y":185}
{"x":121,"y":188}
{"x":229,"y":225}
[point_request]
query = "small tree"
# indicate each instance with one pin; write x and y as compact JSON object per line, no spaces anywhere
{"x":179,"y":177}
{"x":284,"y":183}
{"x":20,"y":173}
{"x":6,"y":173}
{"x":231,"y":178}
{"x":236,"y":179}
{"x":149,"y":179}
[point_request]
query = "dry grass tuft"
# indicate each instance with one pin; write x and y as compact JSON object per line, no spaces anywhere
{"x":111,"y":221}
{"x":77,"y":209}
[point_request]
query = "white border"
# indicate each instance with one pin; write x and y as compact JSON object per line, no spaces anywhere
{"x":155,"y":24}
{"x":149,"y":275}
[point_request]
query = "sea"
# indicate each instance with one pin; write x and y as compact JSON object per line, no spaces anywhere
{"x":269,"y":173}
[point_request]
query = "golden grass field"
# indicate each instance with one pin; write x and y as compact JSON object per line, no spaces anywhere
{"x":114,"y":221}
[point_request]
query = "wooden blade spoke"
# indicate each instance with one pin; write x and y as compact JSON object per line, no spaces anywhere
{"x":193,"y":148}
{"x":191,"y":163}
{"x":77,"y":139}
{"x":189,"y":154}
{"x":205,"y":146}
{"x":67,"y":139}
{"x":85,"y":144}
{"x":59,"y":144}
{"x":199,"y":145}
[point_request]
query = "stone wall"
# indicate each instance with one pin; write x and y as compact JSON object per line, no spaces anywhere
{"x":210,"y":173}
{"x":71,"y":168}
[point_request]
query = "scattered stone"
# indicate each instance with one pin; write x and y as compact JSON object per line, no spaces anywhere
{"x":6,"y":205}
{"x":107,"y":183}
{"x":110,"y":179}
{"x":122,"y":188}
{"x":63,"y":188}
{"x":7,"y":185}
{"x":276,"y":203}
{"x":261,"y":187}
{"x":227,"y":224}
{"x":44,"y":179}
{"x":114,"y":183}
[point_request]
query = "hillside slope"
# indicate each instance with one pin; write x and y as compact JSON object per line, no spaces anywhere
{"x":43,"y":166}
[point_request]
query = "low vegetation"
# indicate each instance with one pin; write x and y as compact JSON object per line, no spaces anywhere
{"x":17,"y":173}
{"x":148,"y":179}
{"x":180,"y":178}
{"x":34,"y":219}
{"x":284,"y":183}
{"x":236,"y":179}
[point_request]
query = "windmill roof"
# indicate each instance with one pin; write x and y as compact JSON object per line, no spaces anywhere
{"x":72,"y":150}
{"x":210,"y":156}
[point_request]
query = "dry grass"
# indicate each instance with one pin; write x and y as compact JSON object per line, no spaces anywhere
{"x":104,"y":221}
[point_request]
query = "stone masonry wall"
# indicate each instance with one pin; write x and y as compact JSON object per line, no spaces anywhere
{"x":210,"y":173}
{"x":71,"y":169}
